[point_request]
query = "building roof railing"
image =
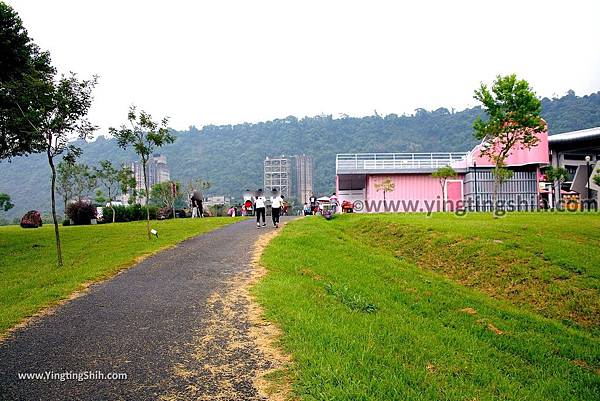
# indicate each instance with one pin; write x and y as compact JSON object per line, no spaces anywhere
{"x":362,"y":163}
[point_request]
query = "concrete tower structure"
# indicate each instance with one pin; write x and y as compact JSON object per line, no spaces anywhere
{"x":303,"y":184}
{"x":277,"y":175}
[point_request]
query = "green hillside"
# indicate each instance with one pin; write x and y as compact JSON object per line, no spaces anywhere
{"x":231,"y":156}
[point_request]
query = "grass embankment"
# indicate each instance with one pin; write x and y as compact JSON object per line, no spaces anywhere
{"x":30,"y":280}
{"x":443,"y":308}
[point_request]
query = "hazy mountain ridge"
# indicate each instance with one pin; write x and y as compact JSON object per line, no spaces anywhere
{"x":231,"y":156}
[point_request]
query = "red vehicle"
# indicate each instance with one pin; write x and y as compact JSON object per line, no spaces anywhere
{"x":248,"y":202}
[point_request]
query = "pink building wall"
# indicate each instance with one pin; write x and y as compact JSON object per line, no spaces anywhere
{"x":538,"y":154}
{"x":422,"y":189}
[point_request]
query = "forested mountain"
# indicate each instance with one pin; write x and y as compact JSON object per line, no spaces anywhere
{"x":231,"y":156}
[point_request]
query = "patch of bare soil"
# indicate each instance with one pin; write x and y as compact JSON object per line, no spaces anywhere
{"x":234,"y":354}
{"x":469,"y":311}
{"x":266,"y":334}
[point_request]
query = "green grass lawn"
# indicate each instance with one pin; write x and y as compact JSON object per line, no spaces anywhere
{"x":30,"y":280}
{"x":404,"y":307}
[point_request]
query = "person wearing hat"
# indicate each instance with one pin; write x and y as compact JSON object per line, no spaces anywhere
{"x":260,"y":203}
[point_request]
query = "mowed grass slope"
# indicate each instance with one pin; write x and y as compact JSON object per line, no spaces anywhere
{"x":366,"y":319}
{"x":30,"y":280}
{"x":545,"y":262}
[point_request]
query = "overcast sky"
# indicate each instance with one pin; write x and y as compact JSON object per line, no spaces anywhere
{"x":222,"y":62}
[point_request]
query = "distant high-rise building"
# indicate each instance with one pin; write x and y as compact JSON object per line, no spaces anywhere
{"x":290,"y":175}
{"x":303,"y":184}
{"x":277,"y":175}
{"x":156,"y":168}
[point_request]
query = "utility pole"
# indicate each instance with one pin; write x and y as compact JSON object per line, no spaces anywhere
{"x":589,"y":174}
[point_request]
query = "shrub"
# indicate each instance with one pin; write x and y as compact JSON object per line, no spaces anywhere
{"x":217,"y":210}
{"x":81,"y":212}
{"x":128,"y":213}
{"x":48,"y":219}
{"x":31,"y":219}
{"x":164,"y":213}
{"x":66,"y":222}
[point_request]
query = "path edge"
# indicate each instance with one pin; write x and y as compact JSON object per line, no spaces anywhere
{"x":86,"y":286}
{"x":265,"y":333}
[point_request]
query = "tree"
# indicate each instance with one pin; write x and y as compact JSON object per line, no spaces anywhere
{"x":556,"y":175}
{"x":443,"y":174}
{"x":198,"y":184}
{"x":501,"y":175}
{"x":113,"y":181}
{"x":84,"y":181}
{"x":64,"y":181}
{"x":386,"y":185}
{"x":74,"y":180}
{"x":144,"y":136}
{"x":5,"y":203}
{"x":597,"y":179}
{"x":24,"y":70}
{"x":163,"y":195}
{"x":65,"y":104}
{"x":513,"y":119}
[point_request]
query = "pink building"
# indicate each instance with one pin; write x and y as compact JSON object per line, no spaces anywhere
{"x":359,"y":177}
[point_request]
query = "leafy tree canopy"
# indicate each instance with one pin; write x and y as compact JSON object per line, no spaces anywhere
{"x":162,"y":194}
{"x":5,"y":203}
{"x":556,"y":174}
{"x":144,"y":135}
{"x":513,"y":117}
{"x":386,"y":186}
{"x":25,"y":76}
{"x":444,"y":172}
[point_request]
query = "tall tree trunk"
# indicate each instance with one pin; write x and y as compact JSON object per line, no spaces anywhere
{"x":113,"y":211}
{"x":495,"y":194}
{"x":443,"y":185}
{"x":147,"y":199}
{"x":59,"y":260}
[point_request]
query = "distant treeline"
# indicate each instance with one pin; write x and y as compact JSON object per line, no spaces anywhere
{"x":231,"y":156}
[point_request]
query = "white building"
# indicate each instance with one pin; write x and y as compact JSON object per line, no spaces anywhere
{"x":156,"y":168}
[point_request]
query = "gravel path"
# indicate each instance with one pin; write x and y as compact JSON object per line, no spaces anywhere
{"x":171,"y":323}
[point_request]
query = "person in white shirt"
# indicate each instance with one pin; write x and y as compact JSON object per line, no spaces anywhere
{"x":259,"y":208}
{"x":333,"y":199}
{"x":276,"y":204}
{"x":314,"y":205}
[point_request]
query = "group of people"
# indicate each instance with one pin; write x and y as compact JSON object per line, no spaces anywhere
{"x":257,"y":203}
{"x":313,"y":206}
{"x":260,"y":207}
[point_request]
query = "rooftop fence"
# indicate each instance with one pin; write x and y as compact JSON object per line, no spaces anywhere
{"x":352,"y":163}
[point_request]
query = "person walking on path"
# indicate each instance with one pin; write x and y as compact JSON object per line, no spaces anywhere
{"x":196,"y":203}
{"x":276,"y":204}
{"x":259,"y":208}
{"x":314,"y":206}
{"x":333,"y":199}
